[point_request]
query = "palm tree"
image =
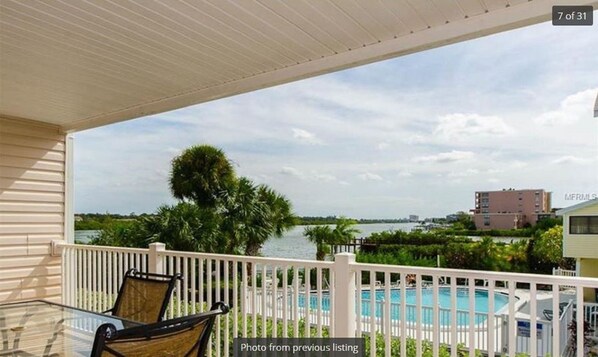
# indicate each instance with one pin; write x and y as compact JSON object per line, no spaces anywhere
{"x":201,"y":174}
{"x":248,"y":214}
{"x":486,"y":254}
{"x":244,"y":217}
{"x":184,"y":226}
{"x":321,"y":236}
{"x":276,"y":217}
{"x":345,"y":230}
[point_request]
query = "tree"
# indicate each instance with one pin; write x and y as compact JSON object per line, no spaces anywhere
{"x":120,"y":234}
{"x":464,"y":221}
{"x":249,"y":214}
{"x":345,"y":230}
{"x":202,"y":174}
{"x":184,"y":226}
{"x":548,"y":248}
{"x":218,"y":212}
{"x":486,"y":254}
{"x":276,"y":215}
{"x":321,"y":236}
{"x":516,"y":257}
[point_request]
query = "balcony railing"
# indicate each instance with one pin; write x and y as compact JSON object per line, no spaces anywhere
{"x":426,"y":309}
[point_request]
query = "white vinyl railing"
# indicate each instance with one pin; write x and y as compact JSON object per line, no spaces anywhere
{"x":563,"y":272}
{"x":414,"y":308}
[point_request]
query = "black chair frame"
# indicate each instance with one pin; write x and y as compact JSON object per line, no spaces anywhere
{"x":108,"y":331}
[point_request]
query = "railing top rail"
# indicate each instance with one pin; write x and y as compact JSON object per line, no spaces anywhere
{"x":238,"y":258}
{"x":480,"y":274}
{"x":104,"y":248}
{"x":441,"y":272}
{"x":251,"y":259}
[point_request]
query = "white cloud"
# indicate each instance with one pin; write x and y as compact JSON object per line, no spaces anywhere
{"x":518,"y":164}
{"x":324,"y":177}
{"x":305,"y":136}
{"x":383,"y":146}
{"x":416,"y":139}
{"x":445,"y":157}
{"x":291,"y":171}
{"x":570,"y":160}
{"x":466,"y":173}
{"x":173,"y":150}
{"x":368,"y":176}
{"x":573,"y":108}
{"x":308,"y":176}
{"x":459,"y":126}
{"x":311,"y":140}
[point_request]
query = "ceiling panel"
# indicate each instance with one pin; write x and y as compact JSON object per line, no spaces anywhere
{"x":90,"y":63}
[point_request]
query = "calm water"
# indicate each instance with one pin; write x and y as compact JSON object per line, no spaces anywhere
{"x":293,"y":245}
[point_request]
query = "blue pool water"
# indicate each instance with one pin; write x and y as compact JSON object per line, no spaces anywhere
{"x":427,"y":317}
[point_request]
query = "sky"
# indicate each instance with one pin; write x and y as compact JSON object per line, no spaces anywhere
{"x":418,"y":134}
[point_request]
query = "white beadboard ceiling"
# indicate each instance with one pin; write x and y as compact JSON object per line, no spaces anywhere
{"x":82,"y":64}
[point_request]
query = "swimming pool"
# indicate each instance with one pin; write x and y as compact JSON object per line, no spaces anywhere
{"x":427,"y":317}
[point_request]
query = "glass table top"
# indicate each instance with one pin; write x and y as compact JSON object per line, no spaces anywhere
{"x":42,"y":328}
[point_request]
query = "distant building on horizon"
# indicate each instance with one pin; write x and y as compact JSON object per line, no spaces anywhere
{"x":413,"y":218}
{"x":510,"y":208}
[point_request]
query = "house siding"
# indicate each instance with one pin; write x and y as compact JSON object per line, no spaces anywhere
{"x":32,"y":206}
{"x":589,"y":268}
{"x":580,"y":245}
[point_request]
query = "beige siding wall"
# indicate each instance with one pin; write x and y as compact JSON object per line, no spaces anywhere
{"x":589,"y":268}
{"x":32,"y":197}
{"x":580,"y":245}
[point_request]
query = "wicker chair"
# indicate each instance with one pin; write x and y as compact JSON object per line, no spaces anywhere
{"x":185,"y":336}
{"x":143,"y":297}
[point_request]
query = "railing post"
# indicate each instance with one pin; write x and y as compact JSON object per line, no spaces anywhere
{"x":344,"y":295}
{"x":155,"y":262}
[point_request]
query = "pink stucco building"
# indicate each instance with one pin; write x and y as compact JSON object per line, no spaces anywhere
{"x":510,"y":208}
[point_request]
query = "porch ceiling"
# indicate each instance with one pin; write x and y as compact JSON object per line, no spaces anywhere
{"x":85,"y":64}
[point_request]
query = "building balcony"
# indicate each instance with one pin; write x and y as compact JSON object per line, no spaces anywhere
{"x":432,"y":309}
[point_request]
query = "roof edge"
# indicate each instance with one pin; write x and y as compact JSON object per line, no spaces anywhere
{"x":577,"y":207}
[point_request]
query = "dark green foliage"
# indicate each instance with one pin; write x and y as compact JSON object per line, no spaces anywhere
{"x":464,"y":222}
{"x":459,"y":256}
{"x":202,"y":174}
{"x":97,"y":221}
{"x":422,"y":248}
{"x":400,"y":257}
{"x":120,"y":234}
{"x":184,"y":226}
{"x":522,"y":232}
{"x":415,"y":238}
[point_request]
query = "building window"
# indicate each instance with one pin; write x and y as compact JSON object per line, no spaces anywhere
{"x":583,"y":225}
